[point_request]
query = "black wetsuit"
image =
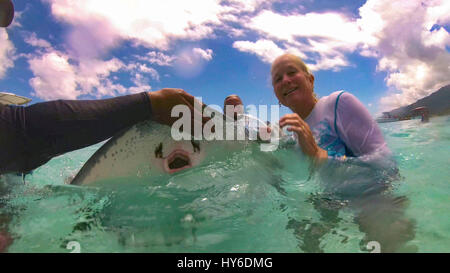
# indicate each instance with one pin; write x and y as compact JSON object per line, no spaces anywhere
{"x":30,"y":136}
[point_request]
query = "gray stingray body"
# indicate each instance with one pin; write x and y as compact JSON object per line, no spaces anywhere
{"x":147,"y":151}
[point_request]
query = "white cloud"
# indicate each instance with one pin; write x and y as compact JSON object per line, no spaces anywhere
{"x":267,"y":50}
{"x":149,"y":70}
{"x":54,"y":77}
{"x":415,"y":58}
{"x":100,"y":25}
{"x":6,"y":53}
{"x":249,"y":5}
{"x":330,"y":26}
{"x":32,"y":40}
{"x":437,"y":13}
{"x":93,"y":75}
{"x":321,"y":39}
{"x":59,"y":76}
{"x":158,"y":58}
{"x":137,"y":69}
{"x":202,"y":53}
{"x":151,"y":23}
{"x":190,"y":62}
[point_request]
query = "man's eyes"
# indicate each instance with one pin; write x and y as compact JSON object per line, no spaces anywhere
{"x":292,"y":72}
{"x":289,"y":73}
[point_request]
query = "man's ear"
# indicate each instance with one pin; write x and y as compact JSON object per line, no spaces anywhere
{"x":311,"y":79}
{"x":6,"y":12}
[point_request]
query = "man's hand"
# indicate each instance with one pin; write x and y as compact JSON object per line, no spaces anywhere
{"x":6,"y":12}
{"x":305,"y":137}
{"x":165,"y":99}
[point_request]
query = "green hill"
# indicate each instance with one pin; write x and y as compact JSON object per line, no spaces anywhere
{"x":438,"y":103}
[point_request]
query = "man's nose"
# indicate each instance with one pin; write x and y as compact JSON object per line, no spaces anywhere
{"x":286,"y":79}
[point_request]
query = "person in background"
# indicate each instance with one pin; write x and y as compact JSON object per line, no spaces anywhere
{"x":237,"y":106}
{"x":263,"y":130}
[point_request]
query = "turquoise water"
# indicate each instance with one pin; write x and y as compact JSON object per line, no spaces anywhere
{"x":244,"y":203}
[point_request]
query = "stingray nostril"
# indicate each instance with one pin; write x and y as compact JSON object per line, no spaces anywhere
{"x":158,"y":151}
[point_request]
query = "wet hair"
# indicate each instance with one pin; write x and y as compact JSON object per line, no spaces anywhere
{"x":298,"y":61}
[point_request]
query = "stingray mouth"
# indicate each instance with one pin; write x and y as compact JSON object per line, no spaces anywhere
{"x":178,"y":160}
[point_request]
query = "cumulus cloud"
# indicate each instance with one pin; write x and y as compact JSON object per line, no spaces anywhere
{"x":321,"y":39}
{"x":409,"y":49}
{"x":32,"y":40}
{"x":148,"y":23}
{"x":267,"y":50}
{"x":6,"y":53}
{"x":157,"y":58}
{"x":58,"y":75}
{"x":205,"y":54}
{"x":138,"y":70}
{"x":240,"y":6}
{"x":93,"y":75}
{"x":97,"y":26}
{"x":190,"y":62}
{"x":54,"y":77}
{"x":92,"y":38}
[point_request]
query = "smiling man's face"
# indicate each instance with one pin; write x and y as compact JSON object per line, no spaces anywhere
{"x":293,"y":86}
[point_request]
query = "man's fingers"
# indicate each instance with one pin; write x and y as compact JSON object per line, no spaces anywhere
{"x":297,"y":129}
{"x":194,"y":110}
{"x":165,"y":99}
{"x":191,"y":99}
{"x":197,"y":118}
{"x":296,"y":121}
{"x":290,"y":116}
{"x":291,"y":122}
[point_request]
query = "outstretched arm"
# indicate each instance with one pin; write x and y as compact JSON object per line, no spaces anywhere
{"x":44,"y":130}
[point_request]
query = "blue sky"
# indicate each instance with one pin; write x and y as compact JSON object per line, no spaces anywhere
{"x":388,"y":53}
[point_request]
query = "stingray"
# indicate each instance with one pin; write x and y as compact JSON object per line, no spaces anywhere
{"x":147,"y":151}
{"x":146,"y":154}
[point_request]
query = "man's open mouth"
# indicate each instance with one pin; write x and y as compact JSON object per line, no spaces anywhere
{"x":178,"y":160}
